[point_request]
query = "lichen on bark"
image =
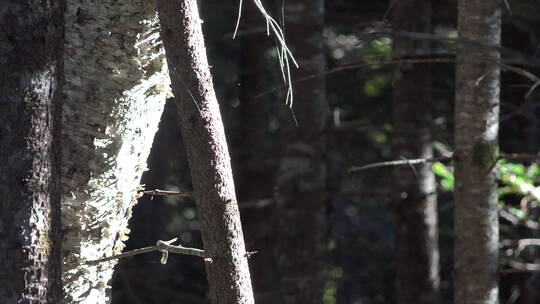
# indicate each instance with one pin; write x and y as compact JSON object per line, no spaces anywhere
{"x":116,"y":83}
{"x":485,"y":154}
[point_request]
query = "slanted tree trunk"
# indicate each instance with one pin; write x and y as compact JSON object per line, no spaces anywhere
{"x":30,"y":108}
{"x":209,"y":162}
{"x":417,"y":254}
{"x":115,"y":88}
{"x":476,"y":149}
{"x":301,"y":181}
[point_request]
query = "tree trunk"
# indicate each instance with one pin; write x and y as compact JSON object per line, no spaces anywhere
{"x":115,"y":88}
{"x":30,"y":109}
{"x":301,"y":181}
{"x":209,"y":162}
{"x":254,"y":173}
{"x":417,"y":254}
{"x":476,"y":149}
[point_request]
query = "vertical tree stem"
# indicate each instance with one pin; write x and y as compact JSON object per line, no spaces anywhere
{"x":417,"y":253}
{"x":301,"y":180}
{"x":476,"y":150}
{"x":31,"y":39}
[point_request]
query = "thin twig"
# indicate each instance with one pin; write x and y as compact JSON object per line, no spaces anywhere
{"x":166,"y":193}
{"x":516,"y":270}
{"x":517,"y":221}
{"x":528,"y":242}
{"x":402,"y":162}
{"x":426,"y":36}
{"x":506,"y":156}
{"x":523,"y":157}
{"x":520,"y":267}
{"x":163,"y":246}
{"x":370,"y":62}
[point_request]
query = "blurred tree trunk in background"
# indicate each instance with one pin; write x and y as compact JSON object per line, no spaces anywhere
{"x":476,"y":151}
{"x":255,"y":175}
{"x":30,"y":112}
{"x":206,"y":146}
{"x":301,"y":179}
{"x":115,"y":89}
{"x":417,"y":253}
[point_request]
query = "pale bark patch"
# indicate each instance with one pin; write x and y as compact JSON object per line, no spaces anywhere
{"x":116,"y":85}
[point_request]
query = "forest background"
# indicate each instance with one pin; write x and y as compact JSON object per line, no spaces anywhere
{"x":359,"y":261}
{"x":399,"y":167}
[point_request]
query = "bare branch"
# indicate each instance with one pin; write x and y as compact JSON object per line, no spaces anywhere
{"x":519,"y":267}
{"x":528,"y":242}
{"x":166,"y":193}
{"x":517,"y":221}
{"x":371,"y":60}
{"x":522,"y":157}
{"x":163,"y":246}
{"x":476,"y":43}
{"x":407,"y":162}
{"x":403,"y":162}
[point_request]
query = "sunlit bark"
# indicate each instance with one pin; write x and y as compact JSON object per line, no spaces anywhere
{"x":115,"y":88}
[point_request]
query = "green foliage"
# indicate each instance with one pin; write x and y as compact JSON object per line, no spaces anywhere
{"x":330,"y":286}
{"x":516,"y":183}
{"x":374,"y":86}
{"x":378,"y":50}
{"x":445,"y":175}
{"x":381,"y":46}
{"x":519,"y":180}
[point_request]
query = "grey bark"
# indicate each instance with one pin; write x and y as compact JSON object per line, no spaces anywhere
{"x":417,"y":254}
{"x":30,"y":68}
{"x":206,"y":146}
{"x":301,"y":180}
{"x":476,"y":149}
{"x":115,"y":87}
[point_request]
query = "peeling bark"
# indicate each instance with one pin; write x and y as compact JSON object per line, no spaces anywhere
{"x":30,"y":108}
{"x":301,"y":180}
{"x":206,"y":146}
{"x":115,"y":90}
{"x":476,"y":146}
{"x":417,"y":254}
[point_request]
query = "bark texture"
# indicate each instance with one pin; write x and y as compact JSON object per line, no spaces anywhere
{"x":301,"y":181}
{"x":417,"y":255}
{"x":209,"y":161}
{"x":30,"y":68}
{"x":476,"y":149}
{"x":115,"y":90}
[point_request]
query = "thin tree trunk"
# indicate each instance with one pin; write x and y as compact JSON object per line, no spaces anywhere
{"x":30,"y":109}
{"x":417,"y":254}
{"x":253,"y":161}
{"x":115,"y":88}
{"x":476,"y":149}
{"x":301,"y":181}
{"x":206,"y":145}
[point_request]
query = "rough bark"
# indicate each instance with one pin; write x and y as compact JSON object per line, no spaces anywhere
{"x":30,"y":68}
{"x":115,"y":90}
{"x":417,"y":255}
{"x":206,"y":146}
{"x":301,"y":181}
{"x":476,"y":149}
